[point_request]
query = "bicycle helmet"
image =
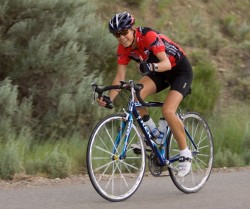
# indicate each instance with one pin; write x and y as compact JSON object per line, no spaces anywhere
{"x":121,"y":21}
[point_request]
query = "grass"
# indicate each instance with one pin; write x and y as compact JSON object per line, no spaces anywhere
{"x":57,"y":159}
{"x":231,"y":136}
{"x":65,"y":157}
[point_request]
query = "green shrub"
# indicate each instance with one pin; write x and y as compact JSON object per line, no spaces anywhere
{"x":205,"y":86}
{"x":57,"y":164}
{"x":229,"y":25}
{"x":10,"y":162}
{"x":246,"y":144}
{"x":50,"y":50}
{"x":241,"y":88}
{"x":228,"y":159}
{"x":16,"y":116}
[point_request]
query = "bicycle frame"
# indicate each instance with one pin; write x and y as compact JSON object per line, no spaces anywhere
{"x":131,"y":113}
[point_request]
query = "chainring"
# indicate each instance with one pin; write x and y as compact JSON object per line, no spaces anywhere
{"x":154,"y":165}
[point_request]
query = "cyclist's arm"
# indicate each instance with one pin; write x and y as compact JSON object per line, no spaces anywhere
{"x":120,"y":76}
{"x":164,"y":63}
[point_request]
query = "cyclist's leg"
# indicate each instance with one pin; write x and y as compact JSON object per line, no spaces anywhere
{"x":176,"y":126}
{"x":181,"y":79}
{"x":169,"y":112}
{"x":149,"y":88}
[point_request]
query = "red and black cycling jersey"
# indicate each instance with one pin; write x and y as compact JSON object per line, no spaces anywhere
{"x":149,"y":43}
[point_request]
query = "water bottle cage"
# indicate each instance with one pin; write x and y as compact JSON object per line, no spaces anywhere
{"x":155,"y":133}
{"x":160,"y":139}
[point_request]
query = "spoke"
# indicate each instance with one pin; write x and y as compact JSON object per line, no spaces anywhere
{"x":205,"y":155}
{"x":100,"y":167}
{"x":192,"y":176}
{"x":194,"y":134}
{"x":175,"y":150}
{"x":131,"y":140}
{"x":111,"y":137}
{"x":111,"y":179}
{"x":201,"y":161}
{"x":103,"y":143}
{"x":200,"y":148}
{"x":100,"y":158}
{"x":126,"y":164}
{"x":122,"y":176}
{"x":103,"y":173}
{"x":100,"y":148}
{"x":133,"y":157}
{"x":202,"y":139}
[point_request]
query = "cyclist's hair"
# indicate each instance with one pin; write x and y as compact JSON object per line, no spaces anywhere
{"x":121,"y":21}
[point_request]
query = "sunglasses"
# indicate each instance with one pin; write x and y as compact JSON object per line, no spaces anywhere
{"x":121,"y":33}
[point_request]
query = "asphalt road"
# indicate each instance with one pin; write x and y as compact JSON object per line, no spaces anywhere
{"x":224,"y":190}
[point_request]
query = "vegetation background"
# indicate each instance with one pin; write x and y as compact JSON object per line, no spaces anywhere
{"x":52,"y":50}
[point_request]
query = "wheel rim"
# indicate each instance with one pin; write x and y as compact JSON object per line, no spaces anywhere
{"x":202,"y":157}
{"x":114,"y":179}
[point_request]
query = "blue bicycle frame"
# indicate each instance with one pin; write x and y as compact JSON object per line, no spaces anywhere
{"x":160,"y":152}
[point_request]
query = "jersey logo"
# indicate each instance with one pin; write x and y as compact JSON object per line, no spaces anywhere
{"x":157,"y":42}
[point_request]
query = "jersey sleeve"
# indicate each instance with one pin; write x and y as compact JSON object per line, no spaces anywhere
{"x":153,"y":42}
{"x":122,"y":56}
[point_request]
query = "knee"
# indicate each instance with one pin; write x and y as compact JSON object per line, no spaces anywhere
{"x":168,"y":113}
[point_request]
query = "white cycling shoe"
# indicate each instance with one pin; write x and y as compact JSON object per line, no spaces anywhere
{"x":185,"y":164}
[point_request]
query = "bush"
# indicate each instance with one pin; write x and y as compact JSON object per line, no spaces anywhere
{"x":229,"y":25}
{"x":246,"y":144}
{"x":205,"y":86}
{"x":9,"y":162}
{"x":241,"y":88}
{"x":228,"y":159}
{"x":52,"y":53}
{"x":57,"y":165}
{"x":15,"y":115}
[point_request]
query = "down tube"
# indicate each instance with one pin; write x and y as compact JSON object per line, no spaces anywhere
{"x":148,"y":136}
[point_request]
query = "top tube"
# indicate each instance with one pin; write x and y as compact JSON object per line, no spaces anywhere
{"x":130,"y":86}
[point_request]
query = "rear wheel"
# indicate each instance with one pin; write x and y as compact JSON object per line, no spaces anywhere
{"x":202,"y":161}
{"x":115,"y":179}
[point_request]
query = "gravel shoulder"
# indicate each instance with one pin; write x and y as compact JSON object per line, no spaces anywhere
{"x":26,"y":181}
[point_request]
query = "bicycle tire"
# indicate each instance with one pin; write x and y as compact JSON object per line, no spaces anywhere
{"x":114,"y":179}
{"x":202,"y":161}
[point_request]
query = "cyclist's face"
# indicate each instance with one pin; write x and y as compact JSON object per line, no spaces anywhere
{"x":125,"y":37}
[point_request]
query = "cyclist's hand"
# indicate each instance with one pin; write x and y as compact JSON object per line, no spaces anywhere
{"x":146,"y":68}
{"x":105,"y":101}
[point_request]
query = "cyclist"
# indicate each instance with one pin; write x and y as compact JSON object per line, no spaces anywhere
{"x":163,"y":64}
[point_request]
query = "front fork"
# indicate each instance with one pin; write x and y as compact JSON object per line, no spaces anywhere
{"x":128,"y":120}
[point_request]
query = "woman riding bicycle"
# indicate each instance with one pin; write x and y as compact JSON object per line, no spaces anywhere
{"x":163,"y":64}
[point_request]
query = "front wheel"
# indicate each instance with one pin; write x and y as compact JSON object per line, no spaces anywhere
{"x":115,"y":177}
{"x":197,"y":129}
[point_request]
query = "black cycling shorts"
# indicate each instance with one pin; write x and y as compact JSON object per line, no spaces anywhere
{"x":179,"y":78}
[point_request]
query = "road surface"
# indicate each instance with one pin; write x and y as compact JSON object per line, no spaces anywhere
{"x":224,"y":190}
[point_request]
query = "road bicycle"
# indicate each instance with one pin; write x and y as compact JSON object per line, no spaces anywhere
{"x":116,"y":169}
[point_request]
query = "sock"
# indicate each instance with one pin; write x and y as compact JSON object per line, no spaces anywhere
{"x":186,"y":152}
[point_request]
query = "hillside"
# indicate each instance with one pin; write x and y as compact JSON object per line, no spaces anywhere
{"x":218,"y":29}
